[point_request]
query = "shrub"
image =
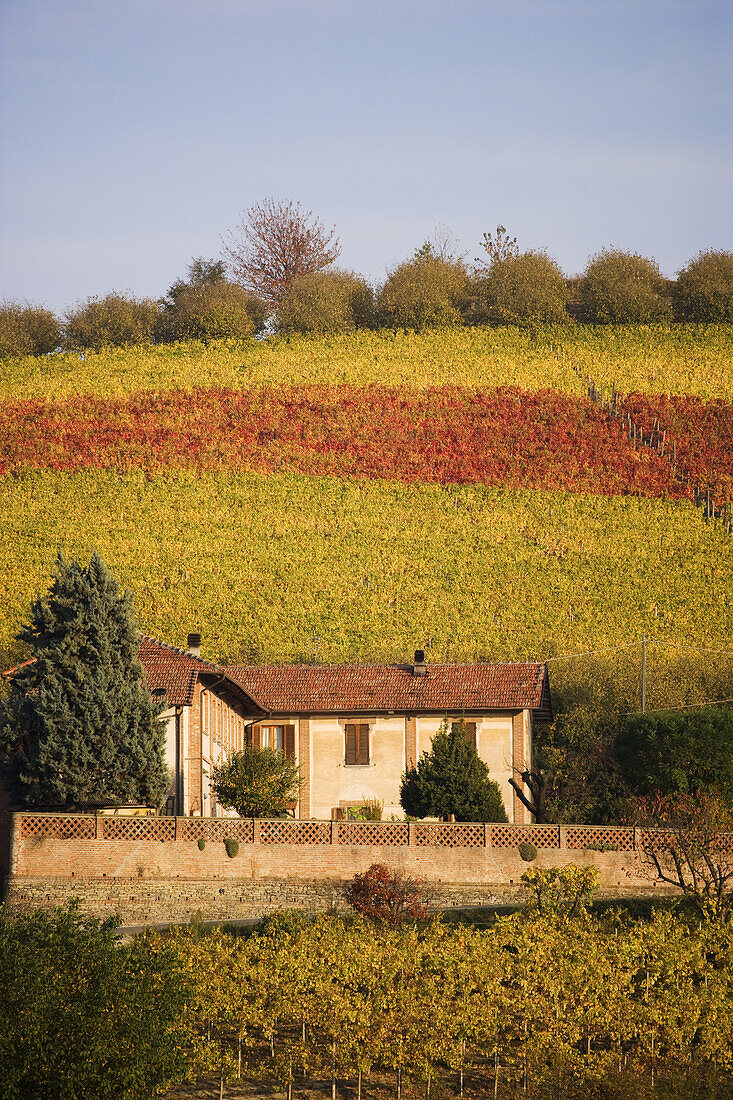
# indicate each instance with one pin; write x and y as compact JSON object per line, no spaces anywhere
{"x":425,"y":292}
{"x":211,"y":311}
{"x":257,"y":782}
{"x":232,"y":846}
{"x":678,"y":752}
{"x":326,"y":302}
{"x":386,"y":897}
{"x":452,"y":779}
{"x":527,"y":851}
{"x":27,"y":330}
{"x":82,"y":1015}
{"x":113,"y":321}
{"x":704,"y":289}
{"x":201,"y":842}
{"x":525,"y":290}
{"x":623,"y":288}
{"x":567,"y":890}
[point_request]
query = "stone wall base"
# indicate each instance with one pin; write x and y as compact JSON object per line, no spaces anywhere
{"x":156,"y":901}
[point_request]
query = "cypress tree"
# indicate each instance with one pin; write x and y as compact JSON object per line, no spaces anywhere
{"x":452,"y":779}
{"x":79,"y":726}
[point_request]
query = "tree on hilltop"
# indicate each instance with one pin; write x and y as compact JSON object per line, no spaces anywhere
{"x":276,"y":243}
{"x":79,"y":726}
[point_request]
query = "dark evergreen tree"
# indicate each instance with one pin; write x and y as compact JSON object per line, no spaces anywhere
{"x":79,"y":726}
{"x":451,"y":779}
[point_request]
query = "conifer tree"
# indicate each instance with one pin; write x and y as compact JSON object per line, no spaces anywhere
{"x":452,"y":779}
{"x":79,"y":726}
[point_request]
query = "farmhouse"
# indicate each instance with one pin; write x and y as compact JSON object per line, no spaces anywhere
{"x":352,"y":728}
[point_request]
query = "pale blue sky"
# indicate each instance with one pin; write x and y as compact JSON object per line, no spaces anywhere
{"x":133,"y":133}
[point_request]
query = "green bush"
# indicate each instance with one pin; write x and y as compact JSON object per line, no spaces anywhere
{"x":704,"y":289}
{"x":27,"y":330}
{"x":527,"y":851}
{"x":326,"y":302}
{"x":211,"y":311}
{"x":82,"y":1015}
{"x":678,"y":752}
{"x":525,"y":290}
{"x":620,"y":288}
{"x":201,"y":842}
{"x":232,"y":846}
{"x":425,"y":292}
{"x":113,"y":321}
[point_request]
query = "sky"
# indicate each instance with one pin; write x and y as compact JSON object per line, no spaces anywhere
{"x":133,"y":133}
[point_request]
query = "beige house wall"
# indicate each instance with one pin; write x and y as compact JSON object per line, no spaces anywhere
{"x":393,"y":743}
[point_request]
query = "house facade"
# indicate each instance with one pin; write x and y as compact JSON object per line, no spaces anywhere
{"x":353,"y":729}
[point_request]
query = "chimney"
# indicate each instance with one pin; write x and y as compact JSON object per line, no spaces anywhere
{"x":194,"y":645}
{"x":419,"y":668}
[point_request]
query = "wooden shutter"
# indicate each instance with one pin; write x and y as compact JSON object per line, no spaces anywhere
{"x":256,"y":737}
{"x":470,"y":731}
{"x":363,"y":754}
{"x":351,"y":743}
{"x":289,"y":742}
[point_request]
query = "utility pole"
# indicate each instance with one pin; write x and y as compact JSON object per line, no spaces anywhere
{"x":643,"y":673}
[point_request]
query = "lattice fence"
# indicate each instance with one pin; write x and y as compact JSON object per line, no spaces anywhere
{"x":138,"y":828}
{"x":511,"y":836}
{"x":443,"y":835}
{"x":295,"y":832}
{"x":216,"y":828}
{"x":610,"y":837}
{"x":373,"y":832}
{"x":62,"y":828}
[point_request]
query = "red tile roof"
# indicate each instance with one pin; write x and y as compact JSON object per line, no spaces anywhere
{"x":173,"y":672}
{"x":308,"y":689}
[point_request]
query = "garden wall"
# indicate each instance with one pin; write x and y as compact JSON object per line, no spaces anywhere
{"x":152,"y":870}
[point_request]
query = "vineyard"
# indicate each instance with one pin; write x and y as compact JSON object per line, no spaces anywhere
{"x":348,"y":498}
{"x":546,"y":1007}
{"x":679,"y":359}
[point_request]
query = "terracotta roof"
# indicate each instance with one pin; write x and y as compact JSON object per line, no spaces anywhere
{"x":173,"y":671}
{"x":311,"y":689}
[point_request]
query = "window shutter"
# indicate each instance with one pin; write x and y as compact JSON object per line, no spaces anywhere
{"x":351,"y":738}
{"x":471,"y":734}
{"x":364,"y":744}
{"x":256,"y":737}
{"x":289,"y":742}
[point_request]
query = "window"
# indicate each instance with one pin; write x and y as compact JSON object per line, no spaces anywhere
{"x":281,"y":738}
{"x":470,"y":730}
{"x":357,"y":742}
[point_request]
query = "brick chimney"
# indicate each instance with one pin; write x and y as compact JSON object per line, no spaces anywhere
{"x":419,"y":668}
{"x":194,"y":645}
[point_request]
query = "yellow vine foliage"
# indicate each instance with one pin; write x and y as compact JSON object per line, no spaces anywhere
{"x":674,"y":359}
{"x":296,"y":568}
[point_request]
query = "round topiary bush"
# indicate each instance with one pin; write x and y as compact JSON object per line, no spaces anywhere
{"x":211,"y":311}
{"x":526,"y":290}
{"x":704,"y":289}
{"x":623,"y":288}
{"x":527,"y":851}
{"x":426,"y":292}
{"x":201,"y":843}
{"x":113,"y":321}
{"x":326,"y":302}
{"x":232,"y":846}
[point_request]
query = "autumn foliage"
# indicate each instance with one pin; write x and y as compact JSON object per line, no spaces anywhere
{"x":386,"y":897}
{"x":445,"y":434}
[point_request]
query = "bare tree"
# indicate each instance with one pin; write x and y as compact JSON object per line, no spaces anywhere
{"x":686,"y":841}
{"x":535,"y":779}
{"x":276,"y":243}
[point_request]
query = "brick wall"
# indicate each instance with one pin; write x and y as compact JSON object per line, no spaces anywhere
{"x":151,"y":870}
